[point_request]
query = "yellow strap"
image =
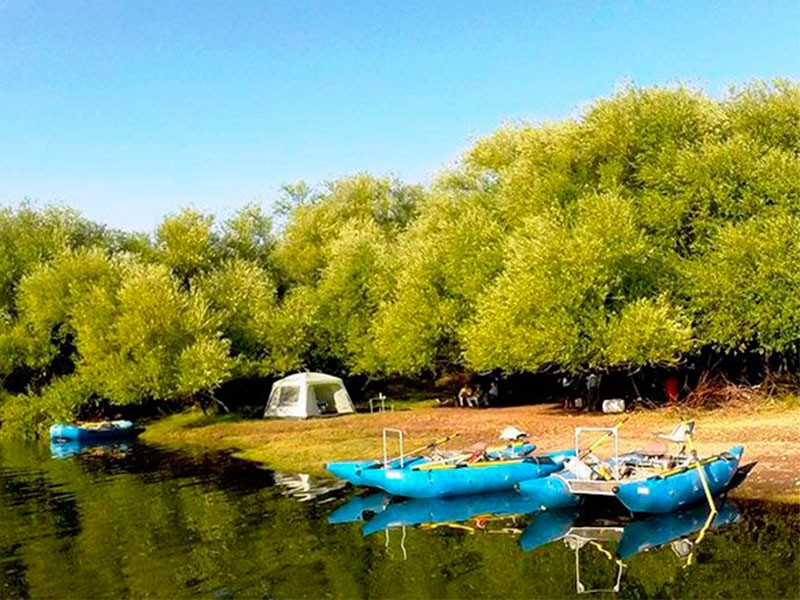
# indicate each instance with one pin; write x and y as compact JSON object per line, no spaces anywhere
{"x":483,"y":463}
{"x":450,"y":524}
{"x":603,"y":438}
{"x":702,"y":474}
{"x":435,"y":443}
{"x":681,"y":469}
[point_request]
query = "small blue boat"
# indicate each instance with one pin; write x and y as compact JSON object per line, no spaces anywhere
{"x":351,"y":470}
{"x":682,"y":486}
{"x":643,"y":484}
{"x":103,"y":430}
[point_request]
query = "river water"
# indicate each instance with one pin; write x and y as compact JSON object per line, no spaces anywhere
{"x":133,"y":521}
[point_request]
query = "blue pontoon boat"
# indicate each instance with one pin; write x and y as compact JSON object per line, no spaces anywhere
{"x":644,"y":482}
{"x":441,"y":475}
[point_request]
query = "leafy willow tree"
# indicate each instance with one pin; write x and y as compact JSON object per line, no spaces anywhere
{"x":243,"y":297}
{"x":316,"y":219}
{"x":187,"y":243}
{"x":349,"y":292}
{"x":333,"y":257}
{"x":150,"y":339}
{"x":248,"y":235}
{"x":441,"y":266}
{"x":745,"y":290}
{"x":29,"y":236}
{"x":570,"y":284}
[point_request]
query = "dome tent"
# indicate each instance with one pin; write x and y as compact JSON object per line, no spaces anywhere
{"x":307,"y":395}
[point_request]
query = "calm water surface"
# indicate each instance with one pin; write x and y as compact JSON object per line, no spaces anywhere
{"x":136,"y":521}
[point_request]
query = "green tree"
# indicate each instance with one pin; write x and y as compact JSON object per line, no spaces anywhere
{"x":150,"y":339}
{"x":303,"y":250}
{"x":248,"y":235}
{"x":30,"y":236}
{"x":350,"y":289}
{"x":744,"y":290}
{"x":243,"y":296}
{"x":565,"y":276}
{"x":187,"y":244}
{"x":443,"y":264}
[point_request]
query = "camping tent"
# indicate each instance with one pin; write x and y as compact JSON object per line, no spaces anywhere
{"x":307,"y":395}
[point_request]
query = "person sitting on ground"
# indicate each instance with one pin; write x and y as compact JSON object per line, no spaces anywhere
{"x":467,"y":396}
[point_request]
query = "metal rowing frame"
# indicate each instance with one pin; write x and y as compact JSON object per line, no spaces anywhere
{"x":400,"y":435}
{"x":591,"y":486}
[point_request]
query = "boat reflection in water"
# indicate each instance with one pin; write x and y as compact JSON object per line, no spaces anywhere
{"x":360,"y":508}
{"x":617,"y":538}
{"x":68,"y":448}
{"x":452,"y":512}
{"x":630,"y":538}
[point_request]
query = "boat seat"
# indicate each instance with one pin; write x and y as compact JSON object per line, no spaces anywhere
{"x":476,"y":451}
{"x":680,"y":434}
{"x":654,"y":450}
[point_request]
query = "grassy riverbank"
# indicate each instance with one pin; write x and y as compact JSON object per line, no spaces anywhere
{"x":771,"y":436}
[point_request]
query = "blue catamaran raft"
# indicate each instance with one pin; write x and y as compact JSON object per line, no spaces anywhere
{"x":645,"y":481}
{"x":454,"y":474}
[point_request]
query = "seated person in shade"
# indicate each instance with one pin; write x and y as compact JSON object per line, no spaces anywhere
{"x":466,"y":395}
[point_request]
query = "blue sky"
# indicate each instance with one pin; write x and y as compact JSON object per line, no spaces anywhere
{"x":131,"y":109}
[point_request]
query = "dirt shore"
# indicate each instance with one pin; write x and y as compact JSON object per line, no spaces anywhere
{"x":770,"y":436}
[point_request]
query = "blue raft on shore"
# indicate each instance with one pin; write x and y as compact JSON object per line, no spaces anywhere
{"x":352,"y":470}
{"x":424,"y":478}
{"x":87,"y":432}
{"x":642,"y":482}
{"x":480,"y":469}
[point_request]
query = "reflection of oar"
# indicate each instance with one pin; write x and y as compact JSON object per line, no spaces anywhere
{"x":603,"y":438}
{"x":425,"y":447}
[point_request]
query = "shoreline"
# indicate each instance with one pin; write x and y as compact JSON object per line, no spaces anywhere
{"x":771,"y":436}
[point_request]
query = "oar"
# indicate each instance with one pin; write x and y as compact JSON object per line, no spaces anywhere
{"x":603,"y":438}
{"x":423,"y":448}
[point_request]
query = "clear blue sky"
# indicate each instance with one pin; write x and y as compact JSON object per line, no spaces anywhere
{"x":130,"y":109}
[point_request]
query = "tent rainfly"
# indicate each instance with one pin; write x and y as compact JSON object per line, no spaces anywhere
{"x":307,"y":395}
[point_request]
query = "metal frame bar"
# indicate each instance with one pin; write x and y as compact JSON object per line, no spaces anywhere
{"x":385,"y":448}
{"x":614,"y":431}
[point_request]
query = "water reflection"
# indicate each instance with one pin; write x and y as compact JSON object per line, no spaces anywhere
{"x":67,"y":448}
{"x":304,"y":488}
{"x":613,"y":537}
{"x":620,"y":540}
{"x":361,"y":508}
{"x":470,"y":513}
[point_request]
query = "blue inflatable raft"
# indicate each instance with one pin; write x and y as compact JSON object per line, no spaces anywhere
{"x":103,"y":430}
{"x":429,"y":479}
{"x":352,"y":470}
{"x":661,"y":492}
